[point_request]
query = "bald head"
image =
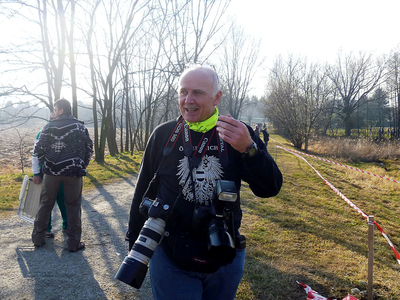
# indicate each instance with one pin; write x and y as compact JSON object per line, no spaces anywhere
{"x":206,"y":70}
{"x":199,"y":93}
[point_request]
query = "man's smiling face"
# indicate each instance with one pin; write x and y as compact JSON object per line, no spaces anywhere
{"x":197,"y":98}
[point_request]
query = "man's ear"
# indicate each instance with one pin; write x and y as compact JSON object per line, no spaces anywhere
{"x":217,"y":98}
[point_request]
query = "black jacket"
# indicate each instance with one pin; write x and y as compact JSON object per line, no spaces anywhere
{"x":260,"y":172}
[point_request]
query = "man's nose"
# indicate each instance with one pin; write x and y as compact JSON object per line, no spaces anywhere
{"x":189,"y":97}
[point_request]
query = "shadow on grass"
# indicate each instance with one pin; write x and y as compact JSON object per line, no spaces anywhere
{"x":296,"y":222}
{"x":113,"y":171}
{"x":272,"y":284}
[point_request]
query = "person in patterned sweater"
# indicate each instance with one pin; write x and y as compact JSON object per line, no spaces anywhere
{"x":64,"y":150}
{"x":37,"y":179}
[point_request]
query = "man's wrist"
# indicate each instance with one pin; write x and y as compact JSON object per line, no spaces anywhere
{"x":251,"y":150}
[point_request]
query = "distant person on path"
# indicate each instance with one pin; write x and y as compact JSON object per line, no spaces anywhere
{"x":185,"y":160}
{"x":37,"y":178}
{"x":257,"y":131}
{"x":64,"y":150}
{"x":266,"y":136}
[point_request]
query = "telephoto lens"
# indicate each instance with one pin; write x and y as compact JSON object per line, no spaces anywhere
{"x":134,"y":267}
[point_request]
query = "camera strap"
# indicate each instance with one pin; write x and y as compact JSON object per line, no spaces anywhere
{"x":173,"y":138}
{"x":202,"y":146}
{"x":166,"y":151}
{"x":194,"y":156}
{"x":197,"y":155}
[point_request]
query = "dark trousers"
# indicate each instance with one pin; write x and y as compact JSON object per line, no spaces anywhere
{"x":63,"y":210}
{"x":72,"y":197}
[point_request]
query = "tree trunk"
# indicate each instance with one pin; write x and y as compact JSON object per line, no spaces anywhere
{"x":72,"y":62}
{"x":348,"y":125}
{"x":306,"y":143}
{"x":128,"y":129}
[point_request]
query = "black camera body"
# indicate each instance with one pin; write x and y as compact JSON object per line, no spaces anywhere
{"x":134,"y":267}
{"x":213,"y":218}
{"x":221,"y":245}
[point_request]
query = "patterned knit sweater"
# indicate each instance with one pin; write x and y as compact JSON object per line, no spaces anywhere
{"x":64,"y":147}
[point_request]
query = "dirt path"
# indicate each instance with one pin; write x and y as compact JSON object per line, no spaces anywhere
{"x":49,"y":272}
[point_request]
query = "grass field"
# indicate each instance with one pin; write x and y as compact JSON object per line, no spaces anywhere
{"x":307,"y":233}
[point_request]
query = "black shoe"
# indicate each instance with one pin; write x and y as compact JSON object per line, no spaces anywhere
{"x":39,"y":244}
{"x":80,"y":246}
{"x":50,"y":235}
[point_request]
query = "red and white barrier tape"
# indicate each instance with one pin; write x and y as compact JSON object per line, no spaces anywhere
{"x":347,"y":200}
{"x":313,"y":295}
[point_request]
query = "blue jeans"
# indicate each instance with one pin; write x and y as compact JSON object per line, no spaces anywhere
{"x":170,"y":282}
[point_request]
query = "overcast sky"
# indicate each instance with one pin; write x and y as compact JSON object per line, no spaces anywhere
{"x":318,"y":29}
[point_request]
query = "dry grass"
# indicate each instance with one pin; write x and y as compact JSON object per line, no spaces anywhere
{"x":16,"y":149}
{"x":355,"y":149}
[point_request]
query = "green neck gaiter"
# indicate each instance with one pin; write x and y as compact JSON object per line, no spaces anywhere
{"x":206,"y":125}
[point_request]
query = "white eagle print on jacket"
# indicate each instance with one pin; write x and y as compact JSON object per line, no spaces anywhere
{"x":204,"y":176}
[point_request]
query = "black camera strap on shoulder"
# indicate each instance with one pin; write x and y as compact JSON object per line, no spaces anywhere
{"x":154,"y":181}
{"x":173,"y":138}
{"x":202,"y":146}
{"x":166,"y":151}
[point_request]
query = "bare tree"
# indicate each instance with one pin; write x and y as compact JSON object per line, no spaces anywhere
{"x":297,"y":96}
{"x":193,"y":25}
{"x":180,"y":33}
{"x":41,"y":54}
{"x":133,"y":53}
{"x":24,"y":150}
{"x":71,"y":54}
{"x":106,"y":49}
{"x":53,"y":47}
{"x":240,"y":62}
{"x":393,"y":78}
{"x":90,"y":12}
{"x":354,"y":78}
{"x":283,"y":101}
{"x":315,"y":91}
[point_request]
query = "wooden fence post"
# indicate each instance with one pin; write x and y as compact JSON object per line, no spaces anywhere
{"x":370,"y":257}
